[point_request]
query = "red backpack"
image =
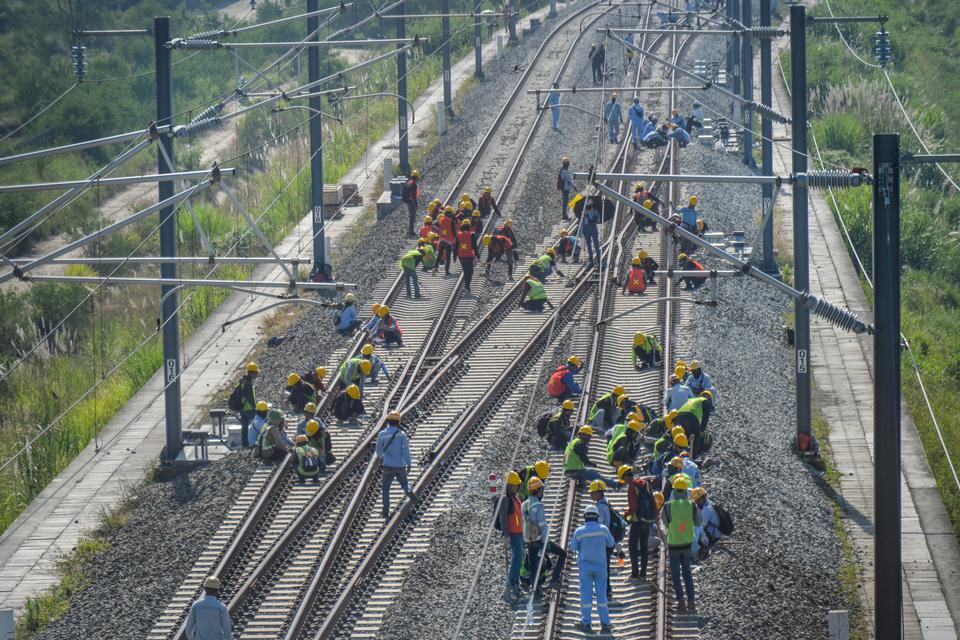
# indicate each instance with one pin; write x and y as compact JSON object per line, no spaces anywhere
{"x":556,"y":387}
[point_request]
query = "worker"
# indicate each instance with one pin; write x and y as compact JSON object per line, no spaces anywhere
{"x":647,"y":351}
{"x":590,"y":541}
{"x":446,"y":224}
{"x":558,"y":429}
{"x":613,"y":115}
{"x":486,"y":203}
{"x":649,"y":125}
{"x":299,"y":392}
{"x":636,"y":282}
{"x":353,"y":370}
{"x":428,"y":253}
{"x":590,"y":230}
{"x":674,"y":467}
{"x":680,"y":369}
{"x":498,"y":246}
{"x":629,"y":40}
{"x":389,"y":329}
{"x":676,"y":118}
{"x":347,"y":318}
{"x":598,"y":494}
{"x":679,"y":134}
{"x":393,"y":452}
{"x":259,"y":418}
{"x":562,"y":384}
{"x":546,"y":264}
{"x":411,"y":192}
{"x":309,"y":413}
{"x":576,"y":461}
{"x":533,"y":296}
{"x":659,"y":426}
{"x":688,"y":215}
{"x":654,"y":138}
{"x":636,"y":121}
{"x":273,"y":441}
{"x":624,"y":446}
{"x":348,"y":404}
{"x":677,"y":394}
{"x":691,"y":469}
{"x":649,"y":265}
{"x":539,"y":469}
{"x":687,"y":263}
{"x":708,"y":533}
{"x":597,"y":58}
{"x":308,"y":459}
{"x":694,"y":416}
{"x":695,"y":119}
{"x":536,"y":536}
{"x":427,"y":227}
{"x":506,"y":230}
{"x":376,"y":363}
{"x":641,"y":513}
{"x":467,"y":205}
{"x":510,"y":522}
{"x":674,"y":444}
{"x":208,"y":617}
{"x":698,"y":381}
{"x":466,"y":252}
{"x":566,"y":186}
{"x":553,"y":99}
{"x":476,"y":227}
{"x":566,"y":245}
{"x":603,"y":413}
{"x":681,"y":517}
{"x":371,"y":325}
{"x":319,"y":437}
{"x":408,"y":264}
{"x":315,"y":379}
{"x":248,"y":400}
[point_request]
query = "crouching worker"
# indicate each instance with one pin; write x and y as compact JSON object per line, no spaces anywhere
{"x":498,"y":246}
{"x":309,"y":462}
{"x":319,"y":437}
{"x":273,"y":442}
{"x":555,"y":427}
{"x":636,"y":278}
{"x":646,"y":352}
{"x":348,"y":404}
{"x":533,"y":296}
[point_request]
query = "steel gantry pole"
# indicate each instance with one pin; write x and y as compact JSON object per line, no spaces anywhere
{"x":320,"y":267}
{"x":445,"y":28}
{"x":801,"y":247}
{"x":766,"y":143}
{"x":730,"y":41}
{"x":747,"y":74}
{"x":168,"y":242}
{"x":402,"y":93}
{"x":512,"y":21}
{"x":477,"y":42}
{"x":735,"y":85}
{"x":888,"y":589}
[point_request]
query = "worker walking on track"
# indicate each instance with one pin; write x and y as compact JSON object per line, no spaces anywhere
{"x":590,"y":541}
{"x":537,"y":539}
{"x":590,"y":230}
{"x":466,"y":252}
{"x":448,"y":239}
{"x":613,"y":115}
{"x":510,"y":523}
{"x":641,"y":513}
{"x":208,"y":617}
{"x":411,"y":192}
{"x":565,"y":186}
{"x":681,"y":517}
{"x":553,"y":99}
{"x":393,"y":451}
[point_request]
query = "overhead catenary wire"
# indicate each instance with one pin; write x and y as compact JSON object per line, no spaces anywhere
{"x":41,"y":112}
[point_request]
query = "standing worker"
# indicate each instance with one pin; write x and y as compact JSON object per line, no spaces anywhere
{"x":597,"y":57}
{"x":536,"y":536}
{"x":448,"y":238}
{"x":681,"y":517}
{"x":565,"y":186}
{"x":590,"y":230}
{"x":248,"y":400}
{"x":510,"y":523}
{"x":408,"y":264}
{"x":393,"y":451}
{"x":208,"y":617}
{"x":641,"y":513}
{"x":553,"y":99}
{"x":410,"y":194}
{"x":590,"y":541}
{"x":612,"y":115}
{"x":486,"y":204}
{"x":466,"y":252}
{"x":636,"y":121}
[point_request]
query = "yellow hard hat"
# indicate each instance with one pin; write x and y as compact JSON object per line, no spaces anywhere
{"x":633,"y":415}
{"x":677,"y":430}
{"x":634,"y":425}
{"x":658,"y":498}
{"x":534,"y":484}
{"x":513,"y":478}
{"x":301,"y":439}
{"x":542,"y":468}
{"x":320,"y":372}
{"x":293,"y":379}
{"x":567,"y":404}
{"x":680,"y":371}
{"x":575,"y":361}
{"x":465,"y":224}
{"x":488,"y":189}
{"x":448,"y":209}
{"x":476,"y":213}
{"x":253,"y":367}
{"x":312,"y":427}
{"x":618,"y":390}
{"x":707,"y":393}
{"x":310,"y":407}
{"x":350,"y":297}
{"x":586,"y":430}
{"x":648,"y":204}
{"x":564,"y":233}
{"x":676,"y":462}
{"x":672,"y":415}
{"x":698,"y":492}
{"x":551,"y":252}
{"x":680,"y":482}
{"x":681,"y":257}
{"x":635,"y":261}
{"x":681,"y":440}
{"x":598,"y":485}
{"x":639,"y":337}
{"x":394,"y":416}
{"x":622,"y":399}
{"x":487,"y":238}
{"x":431,"y":207}
{"x":353,"y":391}
{"x":366,"y":367}
{"x":367,"y":349}
{"x":642,"y":254}
{"x":639,"y":186}
{"x":383,"y":311}
{"x":465,"y":197}
{"x":375,"y":308}
{"x":694,"y":365}
{"x":262,"y":405}
{"x":414,"y":174}
{"x":428,"y":220}
{"x":564,"y":159}
{"x":624,"y":468}
{"x":692,"y":201}
{"x":431,"y":236}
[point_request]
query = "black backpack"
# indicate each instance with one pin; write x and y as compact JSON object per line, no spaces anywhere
{"x":726,"y":520}
{"x":235,"y":402}
{"x":543,"y":424}
{"x":618,"y":526}
{"x":310,"y":461}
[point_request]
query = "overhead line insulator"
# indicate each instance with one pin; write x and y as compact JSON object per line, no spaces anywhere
{"x":768,"y":112}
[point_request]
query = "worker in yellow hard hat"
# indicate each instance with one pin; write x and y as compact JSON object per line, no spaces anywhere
{"x":319,"y":436}
{"x":636,"y":280}
{"x":259,"y":418}
{"x":536,"y":538}
{"x":694,"y":417}
{"x":539,"y":469}
{"x":309,"y":413}
{"x":299,"y":392}
{"x":686,"y":263}
{"x":562,"y":383}
{"x":486,"y":204}
{"x":347,"y":318}
{"x":698,"y":381}
{"x":677,"y":393}
{"x":641,"y":513}
{"x":681,"y":517}
{"x":510,"y":524}
{"x":388,"y":330}
{"x":625,"y":443}
{"x":649,"y":266}
{"x":316,"y":378}
{"x":348,"y":404}
{"x":565,"y":245}
{"x":605,"y":412}
{"x":377,"y":365}
{"x":499,"y":246}
{"x":426,"y":228}
{"x":555,"y":427}
{"x":576,"y":459}
{"x":309,"y":462}
{"x":411,"y":194}
{"x":393,"y":452}
{"x":646,"y":352}
{"x":272,"y":443}
{"x":428,"y":252}
{"x":243,"y":400}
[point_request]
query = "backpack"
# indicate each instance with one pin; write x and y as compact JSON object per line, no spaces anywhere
{"x":336,"y":317}
{"x":560,"y":183}
{"x":310,"y":461}
{"x":555,"y":386}
{"x":543,"y":424}
{"x":618,"y":526}
{"x":235,"y":402}
{"x":726,"y":520}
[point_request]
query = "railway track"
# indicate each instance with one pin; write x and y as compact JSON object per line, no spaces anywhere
{"x":272,"y":539}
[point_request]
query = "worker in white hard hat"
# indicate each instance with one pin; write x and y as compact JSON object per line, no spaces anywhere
{"x":347,"y":318}
{"x":208,"y":617}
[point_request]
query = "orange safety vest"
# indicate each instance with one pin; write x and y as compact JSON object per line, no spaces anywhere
{"x":465,"y":245}
{"x":636,"y":280}
{"x":514,"y":524}
{"x":425,"y":230}
{"x":446,"y":228}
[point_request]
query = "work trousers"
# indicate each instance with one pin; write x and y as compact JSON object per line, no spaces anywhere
{"x":412,"y":211}
{"x":410,"y":275}
{"x":389,"y":473}
{"x":591,"y":238}
{"x":639,"y":545}
{"x":516,"y":558}
{"x":246,"y":417}
{"x":680,"y":565}
{"x":466,"y":263}
{"x":533,"y":559}
{"x":555,"y":115}
{"x":564,"y":199}
{"x":444,"y":255}
{"x":533,"y":305}
{"x":593,"y":579}
{"x":613,"y":128}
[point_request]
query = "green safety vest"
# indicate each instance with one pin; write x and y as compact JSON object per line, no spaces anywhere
{"x":619,"y":433}
{"x":571,"y":461}
{"x":429,"y":255}
{"x":681,"y":528}
{"x":659,"y":444}
{"x":266,"y":445}
{"x":350,"y":371}
{"x":525,"y":474}
{"x":536,"y":292}
{"x":694,"y":406}
{"x":603,"y":402}
{"x":409,"y":260}
{"x":301,"y":452}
